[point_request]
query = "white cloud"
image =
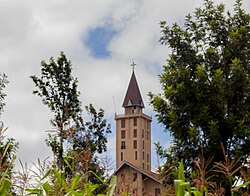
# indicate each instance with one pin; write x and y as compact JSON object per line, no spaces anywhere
{"x":32,"y":31}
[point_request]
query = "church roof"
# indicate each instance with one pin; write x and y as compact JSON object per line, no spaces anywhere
{"x":133,"y":95}
{"x":153,"y":177}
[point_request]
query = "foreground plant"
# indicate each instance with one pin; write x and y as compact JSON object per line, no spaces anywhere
{"x":206,"y":187}
{"x":184,"y":188}
{"x":55,"y":182}
{"x":229,"y":168}
{"x":5,"y":180}
{"x":7,"y":158}
{"x":60,"y":186}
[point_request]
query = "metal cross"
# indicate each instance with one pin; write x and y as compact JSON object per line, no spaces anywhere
{"x":133,"y":64}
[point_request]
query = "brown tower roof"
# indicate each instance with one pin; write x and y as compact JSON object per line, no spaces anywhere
{"x":133,"y":95}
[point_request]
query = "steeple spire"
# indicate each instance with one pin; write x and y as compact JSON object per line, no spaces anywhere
{"x":133,"y":146}
{"x":133,"y":95}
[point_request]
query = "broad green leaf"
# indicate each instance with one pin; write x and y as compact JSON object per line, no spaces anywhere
{"x":181,"y":175}
{"x":77,"y":178}
{"x":196,"y":193}
{"x":6,"y":149}
{"x":47,"y":188}
{"x":89,"y":188}
{"x":67,"y":163}
{"x":36,"y":191}
{"x":101,"y":180}
{"x":5,"y":186}
{"x":47,"y":174}
{"x":60,"y":179}
{"x":177,"y":185}
{"x":182,"y":187}
{"x":112,"y":186}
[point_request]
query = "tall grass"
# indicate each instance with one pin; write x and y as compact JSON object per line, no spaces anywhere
{"x":7,"y":159}
{"x":207,"y":188}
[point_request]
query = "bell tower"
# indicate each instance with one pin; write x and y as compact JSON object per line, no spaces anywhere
{"x":133,"y":130}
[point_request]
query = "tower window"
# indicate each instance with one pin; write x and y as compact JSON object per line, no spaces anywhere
{"x":148,"y":124}
{"x":143,"y":145}
{"x":135,"y":155}
{"x":134,"y":177}
{"x":133,"y":109}
{"x":123,"y":123}
{"x":123,"y":134}
{"x":121,"y":156}
{"x":147,"y":135}
{"x":147,"y":157}
{"x":135,"y":121}
{"x":157,"y":192}
{"x":142,"y":134}
{"x":135,"y":144}
{"x":142,"y":155}
{"x":135,"y":132}
{"x":123,"y":145}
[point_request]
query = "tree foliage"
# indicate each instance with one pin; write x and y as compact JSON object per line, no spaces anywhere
{"x":75,"y":143}
{"x":87,"y":143}
{"x":3,"y":83}
{"x":58,"y":90}
{"x":206,"y":84}
{"x":94,"y":136}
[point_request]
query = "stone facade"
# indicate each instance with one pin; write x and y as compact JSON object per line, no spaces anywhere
{"x":133,"y":147}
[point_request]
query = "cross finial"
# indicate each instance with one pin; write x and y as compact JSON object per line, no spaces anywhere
{"x":133,"y":64}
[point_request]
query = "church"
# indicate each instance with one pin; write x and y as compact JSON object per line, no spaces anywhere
{"x":133,"y":146}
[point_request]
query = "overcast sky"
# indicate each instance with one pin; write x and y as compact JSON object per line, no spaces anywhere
{"x":100,"y":37}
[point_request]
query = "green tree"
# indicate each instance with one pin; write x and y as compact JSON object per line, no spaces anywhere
{"x":205,"y":101}
{"x":58,"y":90}
{"x":95,"y":130}
{"x":89,"y":141}
{"x":76,"y":142}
